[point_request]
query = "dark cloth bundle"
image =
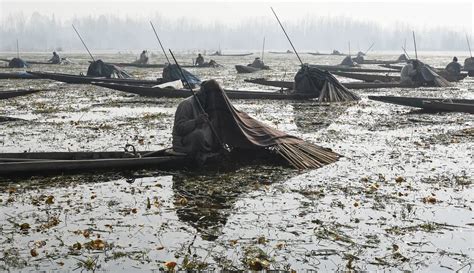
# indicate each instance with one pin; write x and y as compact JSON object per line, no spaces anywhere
{"x":17,"y":63}
{"x":171,"y":73}
{"x":100,"y":69}
{"x":311,"y":80}
{"x":236,"y":129}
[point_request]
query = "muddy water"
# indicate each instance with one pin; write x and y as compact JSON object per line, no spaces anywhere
{"x":401,"y":198}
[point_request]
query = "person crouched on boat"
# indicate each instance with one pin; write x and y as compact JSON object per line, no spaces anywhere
{"x":257,"y":63}
{"x":143,"y":58}
{"x":55,"y":59}
{"x":408,"y":75}
{"x":192,"y":133}
{"x":348,"y":61}
{"x":454,"y":68}
{"x":360,"y":58}
{"x":17,"y":63}
{"x":199,"y":60}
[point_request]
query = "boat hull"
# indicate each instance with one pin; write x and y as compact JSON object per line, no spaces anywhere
{"x":157,"y":92}
{"x":74,"y":79}
{"x":430,"y":104}
{"x":64,"y":162}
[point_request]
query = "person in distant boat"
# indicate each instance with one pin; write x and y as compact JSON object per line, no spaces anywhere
{"x":213,"y":63}
{"x":143,"y":59}
{"x":55,"y":59}
{"x":199,"y":60}
{"x":408,"y":75}
{"x":360,"y":58}
{"x":348,"y":61}
{"x":454,"y":68}
{"x":257,"y":63}
{"x":192,"y":133}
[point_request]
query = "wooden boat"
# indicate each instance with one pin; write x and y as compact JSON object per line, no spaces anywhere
{"x":367,"y":77}
{"x":326,"y":54}
{"x":218,"y":53}
{"x":342,"y":68}
{"x":66,"y":162}
{"x":17,"y":75}
{"x":249,"y":69}
{"x":79,"y":79}
{"x":387,"y":78}
{"x":379,"y":62}
{"x":430,"y":104}
{"x":352,"y":85}
{"x":446,"y":106}
{"x":282,"y":52}
{"x":16,"y":93}
{"x":31,"y":62}
{"x":154,"y":65}
{"x":158,"y":92}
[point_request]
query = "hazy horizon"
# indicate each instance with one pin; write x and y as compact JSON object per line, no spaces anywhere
{"x":315,"y":26}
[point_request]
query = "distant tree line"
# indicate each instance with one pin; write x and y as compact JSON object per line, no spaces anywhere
{"x":108,"y":32}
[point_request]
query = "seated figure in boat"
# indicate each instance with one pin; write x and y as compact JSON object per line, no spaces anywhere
{"x":55,"y":59}
{"x":469,"y":66}
{"x":213,"y":63}
{"x":17,"y":63}
{"x":360,"y":58}
{"x":454,"y":68}
{"x":257,"y":63}
{"x":348,"y":61}
{"x":199,"y":60}
{"x":143,"y":58}
{"x":410,"y":73}
{"x":192,"y":133}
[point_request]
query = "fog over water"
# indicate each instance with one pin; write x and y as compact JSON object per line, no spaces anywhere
{"x":320,"y":26}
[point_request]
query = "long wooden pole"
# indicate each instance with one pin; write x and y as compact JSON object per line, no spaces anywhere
{"x":77,"y":32}
{"x":17,"y":50}
{"x":197,"y":100}
{"x":349,"y":48}
{"x":468,"y":45}
{"x":369,"y":48}
{"x":294,"y":49}
{"x":156,"y":34}
{"x":414,"y":42}
{"x":263,"y":47}
{"x":404,"y":50}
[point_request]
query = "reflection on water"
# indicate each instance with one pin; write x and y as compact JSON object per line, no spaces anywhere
{"x":401,"y":198}
{"x":205,"y":201}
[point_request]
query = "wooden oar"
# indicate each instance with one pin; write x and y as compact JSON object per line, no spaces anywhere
{"x":468,"y":45}
{"x":158,"y":38}
{"x":297,"y":55}
{"x":369,"y":49}
{"x":17,"y":50}
{"x":414,"y":42}
{"x":77,"y":32}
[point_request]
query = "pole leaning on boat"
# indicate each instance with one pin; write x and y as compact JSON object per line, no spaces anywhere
{"x":414,"y":42}
{"x":294,"y":49}
{"x":156,"y":34}
{"x":77,"y":32}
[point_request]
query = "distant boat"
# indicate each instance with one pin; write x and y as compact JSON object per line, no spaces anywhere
{"x":282,"y":52}
{"x":219,"y":53}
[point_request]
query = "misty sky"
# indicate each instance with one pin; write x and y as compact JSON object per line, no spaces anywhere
{"x":457,"y":15}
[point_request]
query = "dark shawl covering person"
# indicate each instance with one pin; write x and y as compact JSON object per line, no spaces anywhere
{"x":321,"y":83}
{"x":237,"y":130}
{"x":17,"y":63}
{"x":101,"y":69}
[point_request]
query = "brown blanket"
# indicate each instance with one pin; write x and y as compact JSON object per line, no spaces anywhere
{"x":236,"y":129}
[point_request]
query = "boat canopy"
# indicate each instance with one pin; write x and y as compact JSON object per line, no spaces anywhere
{"x":100,"y":69}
